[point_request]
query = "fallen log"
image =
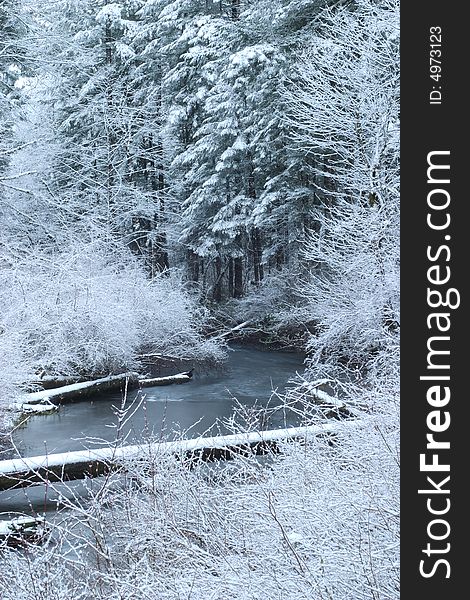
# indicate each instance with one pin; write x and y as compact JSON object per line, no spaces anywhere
{"x":43,"y":408}
{"x":48,"y":382}
{"x":232,"y":330}
{"x":21,"y":530}
{"x":329,"y":404}
{"x":325,"y":401}
{"x":178,"y":378}
{"x":85,"y":389}
{"x":159,"y":355}
{"x":78,"y":391}
{"x":66,"y":466}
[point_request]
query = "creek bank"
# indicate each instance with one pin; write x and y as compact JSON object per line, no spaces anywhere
{"x":23,"y":530}
{"x":261,"y":335}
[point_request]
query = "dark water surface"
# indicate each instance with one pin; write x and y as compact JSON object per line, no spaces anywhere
{"x":250,"y":376}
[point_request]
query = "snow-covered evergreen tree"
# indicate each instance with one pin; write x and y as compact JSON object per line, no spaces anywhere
{"x":245,"y":192}
{"x":107,"y":159}
{"x":11,"y":67}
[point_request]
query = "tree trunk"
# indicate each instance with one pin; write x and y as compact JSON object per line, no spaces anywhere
{"x":140,"y":231}
{"x":257,"y":255}
{"x":108,"y":41}
{"x":110,"y":137}
{"x":193,"y":266}
{"x":159,"y":260}
{"x":217,"y":294}
{"x":256,"y":247}
{"x":235,"y":10}
{"x":280,"y":258}
{"x":230,"y":277}
{"x":238,"y":277}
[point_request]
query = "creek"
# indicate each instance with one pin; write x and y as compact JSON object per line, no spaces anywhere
{"x":203,"y":406}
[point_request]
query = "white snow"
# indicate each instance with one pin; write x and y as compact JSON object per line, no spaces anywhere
{"x":324,"y":397}
{"x":37,"y":408}
{"x":111,"y":12}
{"x":169,"y":379}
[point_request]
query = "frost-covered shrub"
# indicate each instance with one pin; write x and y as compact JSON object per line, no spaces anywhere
{"x":91,"y":310}
{"x":353,"y":293}
{"x":275,"y":309}
{"x":344,"y":108}
{"x":14,"y":369}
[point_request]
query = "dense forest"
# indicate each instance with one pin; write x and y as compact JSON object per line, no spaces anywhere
{"x":170,"y":169}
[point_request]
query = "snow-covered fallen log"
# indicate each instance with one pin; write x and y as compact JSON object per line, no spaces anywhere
{"x":22,"y":529}
{"x":231,"y":331}
{"x":178,"y":378}
{"x":81,"y":390}
{"x":75,"y":465}
{"x":160,"y":356}
{"x":77,"y":391}
{"x":42,"y":408}
{"x":326,"y":401}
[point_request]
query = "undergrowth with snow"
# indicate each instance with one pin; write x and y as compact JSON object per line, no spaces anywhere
{"x":91,"y":311}
{"x":318,"y":521}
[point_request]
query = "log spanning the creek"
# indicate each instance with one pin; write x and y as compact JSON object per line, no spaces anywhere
{"x":67,"y":466}
{"x":85,"y":389}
